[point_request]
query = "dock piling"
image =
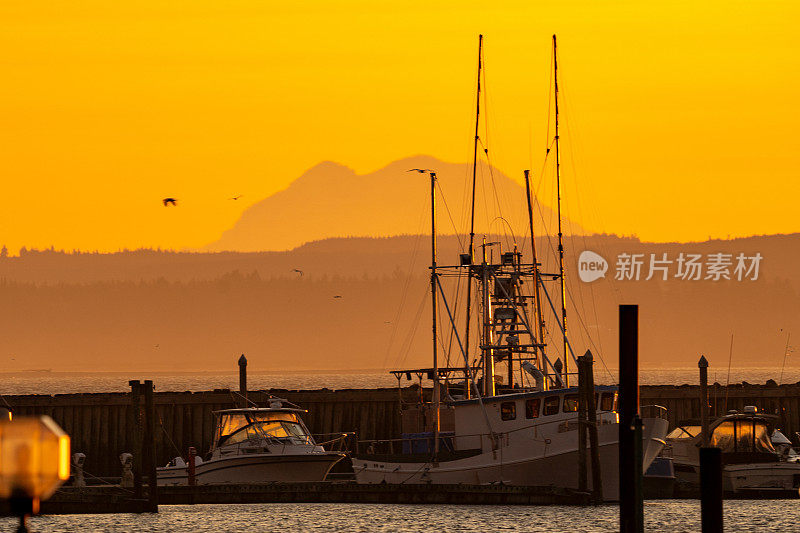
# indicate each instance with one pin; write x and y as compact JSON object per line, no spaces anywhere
{"x":190,"y":465}
{"x":243,"y":379}
{"x":711,"y":490}
{"x":150,"y":446}
{"x":582,"y":420}
{"x":135,"y":434}
{"x":630,"y":477}
{"x":702,"y":364}
{"x":591,"y":415}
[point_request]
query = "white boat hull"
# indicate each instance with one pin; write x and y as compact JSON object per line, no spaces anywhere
{"x":254,"y":468}
{"x":520,"y":465}
{"x":761,"y":476}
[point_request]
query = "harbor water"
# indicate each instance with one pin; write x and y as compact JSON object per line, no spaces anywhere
{"x":675,"y":516}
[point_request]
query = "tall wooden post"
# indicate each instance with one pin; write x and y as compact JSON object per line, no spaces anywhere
{"x":243,"y":380}
{"x":582,"y":472}
{"x":150,"y":441}
{"x":137,"y":437}
{"x":191,"y":467}
{"x":591,"y":415}
{"x":630,"y":502}
{"x":703,"y":365}
{"x":711,"y":490}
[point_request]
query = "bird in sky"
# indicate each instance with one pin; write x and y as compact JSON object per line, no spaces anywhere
{"x":170,"y":201}
{"x":237,"y":197}
{"x":420,"y":170}
{"x":337,"y":296}
{"x":298,"y":271}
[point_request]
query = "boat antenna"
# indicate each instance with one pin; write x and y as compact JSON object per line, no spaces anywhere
{"x":539,"y":321}
{"x":434,"y":274}
{"x":472,"y":208}
{"x":785,"y":355}
{"x":728,"y":381}
{"x":560,"y":234}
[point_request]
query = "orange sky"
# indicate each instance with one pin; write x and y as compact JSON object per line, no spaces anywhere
{"x":681,"y":116}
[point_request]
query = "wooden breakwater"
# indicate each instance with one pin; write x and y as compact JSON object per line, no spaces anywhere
{"x":103,"y":425}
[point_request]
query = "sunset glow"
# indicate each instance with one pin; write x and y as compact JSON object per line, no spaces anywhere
{"x":680,"y":124}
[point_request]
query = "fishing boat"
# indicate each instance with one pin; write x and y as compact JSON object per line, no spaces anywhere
{"x":256,"y":445}
{"x":477,"y":432}
{"x":750,"y":460}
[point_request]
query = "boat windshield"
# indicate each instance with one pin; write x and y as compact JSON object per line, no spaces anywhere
{"x":233,"y":428}
{"x":684,"y":432}
{"x":746,"y":435}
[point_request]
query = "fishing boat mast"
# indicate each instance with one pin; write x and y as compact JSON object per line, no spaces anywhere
{"x":472,"y":214}
{"x":434,"y":281}
{"x":536,"y":279}
{"x":560,"y":234}
{"x":486,"y":340}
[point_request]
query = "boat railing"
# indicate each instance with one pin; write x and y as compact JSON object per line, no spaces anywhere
{"x":337,"y":442}
{"x":653,"y":411}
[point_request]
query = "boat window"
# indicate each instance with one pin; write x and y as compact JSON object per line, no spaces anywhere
{"x":762,"y":440}
{"x":570,"y":403}
{"x":508,"y":410}
{"x":607,"y":401}
{"x":551,"y":405}
{"x":724,"y":436}
{"x":277,"y":430}
{"x":747,"y":435}
{"x":230,"y":424}
{"x":684,"y":432}
{"x":532,"y":408}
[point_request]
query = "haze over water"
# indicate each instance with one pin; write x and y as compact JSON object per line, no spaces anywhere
{"x":85,"y":382}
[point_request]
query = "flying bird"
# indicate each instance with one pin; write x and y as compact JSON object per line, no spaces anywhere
{"x":337,"y":296}
{"x":298,"y":271}
{"x":420,"y":170}
{"x":169,"y":201}
{"x":236,"y":197}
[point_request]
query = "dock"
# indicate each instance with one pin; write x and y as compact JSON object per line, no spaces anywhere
{"x":105,"y":499}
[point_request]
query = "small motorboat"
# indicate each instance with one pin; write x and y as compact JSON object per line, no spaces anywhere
{"x":750,"y":461}
{"x":256,"y":445}
{"x":784,"y":447}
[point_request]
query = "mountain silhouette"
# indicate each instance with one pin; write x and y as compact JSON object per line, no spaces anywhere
{"x":332,"y":200}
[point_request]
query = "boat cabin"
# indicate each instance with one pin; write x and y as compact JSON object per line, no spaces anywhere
{"x":551,"y":410}
{"x":743,"y":438}
{"x":278,"y":425}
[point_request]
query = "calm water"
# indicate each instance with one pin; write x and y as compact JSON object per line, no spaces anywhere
{"x":70,"y":382}
{"x":673,"y":515}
